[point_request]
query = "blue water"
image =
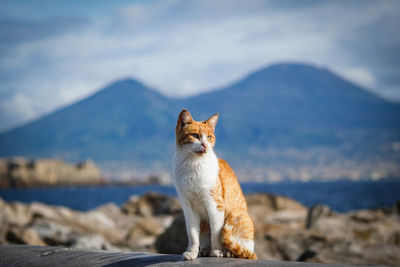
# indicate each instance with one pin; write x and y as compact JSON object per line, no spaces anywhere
{"x":341,"y":195}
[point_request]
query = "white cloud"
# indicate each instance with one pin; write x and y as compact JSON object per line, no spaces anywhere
{"x":144,"y":11}
{"x":184,"y":49}
{"x":359,"y":75}
{"x":17,"y":109}
{"x":20,"y":105}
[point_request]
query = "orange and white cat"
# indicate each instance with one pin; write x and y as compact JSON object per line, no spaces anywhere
{"x":217,"y":221}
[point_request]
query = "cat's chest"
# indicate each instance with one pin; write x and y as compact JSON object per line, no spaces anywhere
{"x":196,"y":175}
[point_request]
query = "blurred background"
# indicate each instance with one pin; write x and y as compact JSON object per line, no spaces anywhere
{"x":309,"y":100}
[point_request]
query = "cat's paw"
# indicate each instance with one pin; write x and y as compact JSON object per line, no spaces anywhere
{"x":205,"y":252}
{"x":188,"y":255}
{"x":216,"y":253}
{"x":228,"y":253}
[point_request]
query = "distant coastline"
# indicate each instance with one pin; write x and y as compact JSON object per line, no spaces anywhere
{"x":25,"y":173}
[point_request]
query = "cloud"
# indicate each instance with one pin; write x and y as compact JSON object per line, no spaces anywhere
{"x":361,"y":76}
{"x":184,"y":48}
{"x":16,"y":31}
{"x":18,"y":108}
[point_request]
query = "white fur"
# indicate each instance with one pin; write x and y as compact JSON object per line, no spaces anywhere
{"x":246,"y":243}
{"x":195,"y":176}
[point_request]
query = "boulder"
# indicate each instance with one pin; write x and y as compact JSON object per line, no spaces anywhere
{"x":271,"y":212}
{"x":16,"y":213}
{"x":152,"y":204}
{"x":316,"y":212}
{"x":142,"y":234}
{"x":20,"y":235}
{"x":55,"y":234}
{"x":174,"y":239}
{"x":54,"y":256}
{"x":94,"y":241}
{"x":285,"y":229}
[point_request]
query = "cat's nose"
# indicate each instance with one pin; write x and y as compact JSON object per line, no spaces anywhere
{"x":204,"y":146}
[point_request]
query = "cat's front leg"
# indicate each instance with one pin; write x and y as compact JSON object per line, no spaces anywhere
{"x":216,"y":218}
{"x":205,"y":239}
{"x":193,"y":231}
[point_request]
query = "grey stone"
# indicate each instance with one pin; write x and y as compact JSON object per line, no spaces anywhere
{"x":174,"y":239}
{"x":317,"y":212}
{"x":22,"y":255}
{"x":152,"y":204}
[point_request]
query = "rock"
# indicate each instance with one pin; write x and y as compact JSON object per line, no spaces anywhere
{"x":90,"y":222}
{"x":146,"y":227}
{"x":29,"y":236}
{"x":273,"y":202}
{"x":110,"y":210}
{"x":270,"y":212}
{"x":152,"y":204}
{"x":17,"y":213}
{"x":367,"y":216}
{"x":317,"y":212}
{"x":55,"y":234}
{"x":285,"y":229}
{"x":55,"y":256}
{"x":357,"y":237}
{"x":306,"y":255}
{"x":93,"y":242}
{"x":143,"y":233}
{"x":382,"y":255}
{"x":20,"y":172}
{"x":174,"y":239}
{"x":18,"y":235}
{"x":39,"y":210}
{"x":4,"y":181}
{"x":130,"y":206}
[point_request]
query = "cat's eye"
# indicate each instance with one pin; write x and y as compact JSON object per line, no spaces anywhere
{"x":195,"y":135}
{"x":209,"y":137}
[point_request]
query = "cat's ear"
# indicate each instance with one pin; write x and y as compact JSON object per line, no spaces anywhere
{"x":184,"y":118}
{"x":212,"y":121}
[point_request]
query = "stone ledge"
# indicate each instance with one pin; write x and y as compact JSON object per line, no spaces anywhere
{"x":24,"y":255}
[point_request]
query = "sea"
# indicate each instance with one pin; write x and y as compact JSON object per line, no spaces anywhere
{"x":341,"y":196}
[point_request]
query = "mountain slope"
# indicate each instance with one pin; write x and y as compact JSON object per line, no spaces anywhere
{"x":296,"y":105}
{"x":305,"y":95}
{"x":124,"y":116}
{"x":285,"y":105}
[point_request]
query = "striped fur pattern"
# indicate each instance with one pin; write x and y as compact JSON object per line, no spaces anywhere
{"x":217,"y":221}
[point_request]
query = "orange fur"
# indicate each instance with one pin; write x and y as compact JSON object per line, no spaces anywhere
{"x":183,"y":133}
{"x":238,"y":223}
{"x":227,"y":193}
{"x":204,"y":227}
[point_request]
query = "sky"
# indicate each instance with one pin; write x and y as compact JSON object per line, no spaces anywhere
{"x":53,"y":53}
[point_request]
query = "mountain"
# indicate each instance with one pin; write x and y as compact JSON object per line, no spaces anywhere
{"x":311,"y":105}
{"x":279,"y":107}
{"x":124,"y":119}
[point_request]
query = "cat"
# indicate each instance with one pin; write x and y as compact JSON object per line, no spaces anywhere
{"x":215,"y":210}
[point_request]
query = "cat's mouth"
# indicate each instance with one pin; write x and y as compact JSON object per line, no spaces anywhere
{"x":201,"y":152}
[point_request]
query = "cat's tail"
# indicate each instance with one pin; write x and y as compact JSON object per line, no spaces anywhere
{"x":234,"y":241}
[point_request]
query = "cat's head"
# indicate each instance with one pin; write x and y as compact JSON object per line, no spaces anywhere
{"x":195,"y":136}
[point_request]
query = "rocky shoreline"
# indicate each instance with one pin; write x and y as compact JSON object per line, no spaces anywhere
{"x":285,"y":229}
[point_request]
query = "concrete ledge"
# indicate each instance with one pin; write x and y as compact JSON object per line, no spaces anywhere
{"x":24,"y":255}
